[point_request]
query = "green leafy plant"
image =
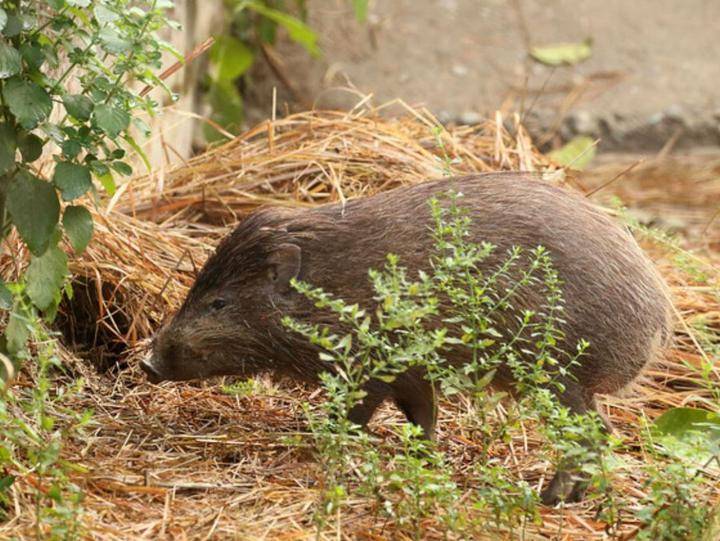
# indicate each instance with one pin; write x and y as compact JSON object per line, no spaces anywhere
{"x":66,"y":104}
{"x":65,"y":73}
{"x":396,"y":341}
{"x":420,"y":485}
{"x":680,"y":445}
{"x":684,"y":441}
{"x":408,"y":480}
{"x":253,"y":25}
{"x":481,"y":303}
{"x":673,"y":507}
{"x":35,"y":425}
{"x":412,"y":483}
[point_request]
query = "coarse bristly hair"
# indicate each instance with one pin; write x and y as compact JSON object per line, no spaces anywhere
{"x":605,"y":273}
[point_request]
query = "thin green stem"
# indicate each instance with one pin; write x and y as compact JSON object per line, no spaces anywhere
{"x":48,"y":22}
{"x":72,"y":66}
{"x":131,"y":56}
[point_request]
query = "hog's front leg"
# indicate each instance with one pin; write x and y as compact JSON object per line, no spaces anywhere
{"x":415,"y":397}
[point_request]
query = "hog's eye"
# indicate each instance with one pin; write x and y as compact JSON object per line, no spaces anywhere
{"x":217,"y":304}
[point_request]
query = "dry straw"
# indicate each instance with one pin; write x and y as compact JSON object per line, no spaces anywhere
{"x":187,"y":461}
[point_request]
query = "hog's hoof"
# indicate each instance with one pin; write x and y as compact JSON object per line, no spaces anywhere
{"x":564,"y":487}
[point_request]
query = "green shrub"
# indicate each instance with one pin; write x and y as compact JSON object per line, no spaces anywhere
{"x":65,"y":73}
{"x":252,"y":25}
{"x":413,"y":482}
{"x":34,"y":426}
{"x":68,"y":72}
{"x":673,"y":507}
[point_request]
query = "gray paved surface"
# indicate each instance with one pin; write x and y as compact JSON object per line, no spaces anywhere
{"x":654,"y":74}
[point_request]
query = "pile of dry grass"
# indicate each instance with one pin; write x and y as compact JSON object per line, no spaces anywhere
{"x":189,"y":461}
{"x":312,"y":158}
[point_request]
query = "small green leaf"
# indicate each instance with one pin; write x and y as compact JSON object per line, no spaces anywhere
{"x":54,"y":132}
{"x":6,"y":482}
{"x":230,"y":57}
{"x":54,"y":492}
{"x":298,"y":31}
{"x":111,"y":120}
{"x":30,"y":146}
{"x":577,"y":153}
{"x":27,"y":101}
{"x":98,"y":167}
{"x":6,"y":297}
{"x":10,"y":60}
{"x":45,"y":276}
{"x":16,"y":333}
{"x":140,"y":152}
{"x":8,"y":145}
{"x":141,"y":125}
{"x":78,"y":106}
{"x":486,"y":379}
{"x":3,"y":19}
{"x":113,"y":41}
{"x":122,"y":168}
{"x":33,"y":55}
{"x":105,"y":15}
{"x":107,"y":181}
{"x":13,"y":25}
{"x":70,"y":148}
{"x":72,"y":179}
{"x":78,"y":224}
{"x":168,"y":47}
{"x":361,"y":9}
{"x":680,"y":422}
{"x":558,"y":54}
{"x":35,"y":210}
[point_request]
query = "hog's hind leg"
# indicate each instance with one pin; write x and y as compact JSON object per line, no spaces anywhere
{"x":569,"y":484}
{"x":375,"y":394}
{"x":417,"y":401}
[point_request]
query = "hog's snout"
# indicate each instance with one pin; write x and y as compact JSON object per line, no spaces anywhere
{"x":153,"y":374}
{"x":172,"y":358}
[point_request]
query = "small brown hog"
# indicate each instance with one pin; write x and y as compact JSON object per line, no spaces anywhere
{"x":230,"y":323}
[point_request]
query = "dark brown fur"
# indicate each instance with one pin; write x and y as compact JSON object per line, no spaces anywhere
{"x":613,"y":297}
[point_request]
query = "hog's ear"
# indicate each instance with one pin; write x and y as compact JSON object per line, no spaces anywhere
{"x":284,"y":265}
